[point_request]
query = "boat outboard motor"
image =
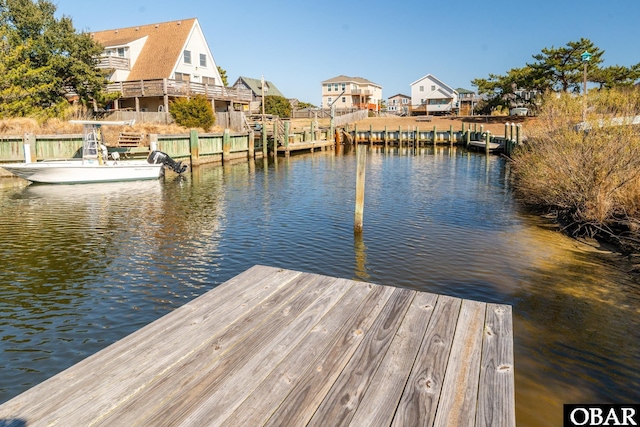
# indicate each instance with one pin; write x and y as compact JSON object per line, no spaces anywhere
{"x":156,"y":157}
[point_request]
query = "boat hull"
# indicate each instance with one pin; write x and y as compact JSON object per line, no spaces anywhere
{"x":76,"y":172}
{"x":493,"y":146}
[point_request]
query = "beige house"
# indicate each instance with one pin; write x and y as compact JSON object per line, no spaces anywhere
{"x":345,"y":92}
{"x":149,"y":65}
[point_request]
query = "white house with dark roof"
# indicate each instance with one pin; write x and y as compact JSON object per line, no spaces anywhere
{"x":431,"y":96}
{"x":344,"y":92}
{"x":151,"y":64}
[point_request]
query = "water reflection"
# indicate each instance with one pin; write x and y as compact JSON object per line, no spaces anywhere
{"x":82,"y":269}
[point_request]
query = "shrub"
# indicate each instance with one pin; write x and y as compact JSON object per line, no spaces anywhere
{"x":196,"y":112}
{"x":277,"y":105}
{"x":591,"y":178}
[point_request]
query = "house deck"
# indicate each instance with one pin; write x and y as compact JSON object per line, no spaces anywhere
{"x":281,"y":347}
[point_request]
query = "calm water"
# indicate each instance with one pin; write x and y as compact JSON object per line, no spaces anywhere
{"x":82,"y":266}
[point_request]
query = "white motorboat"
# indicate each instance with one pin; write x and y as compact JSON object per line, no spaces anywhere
{"x":96,"y":165}
{"x":482,"y":145}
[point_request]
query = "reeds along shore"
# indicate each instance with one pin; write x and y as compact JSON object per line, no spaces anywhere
{"x":589,"y":179}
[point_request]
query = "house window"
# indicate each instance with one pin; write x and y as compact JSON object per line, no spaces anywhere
{"x":344,"y":86}
{"x":335,"y":86}
{"x":328,"y":101}
{"x":121,"y":52}
{"x":209,"y":81}
{"x":203,"y":60}
{"x":433,"y":87}
{"x":344,"y":99}
{"x":187,"y":56}
{"x":329,"y":87}
{"x":405,"y":101}
{"x":182,"y":77}
{"x":421,"y":89}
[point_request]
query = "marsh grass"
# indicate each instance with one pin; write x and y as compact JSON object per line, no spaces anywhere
{"x":590,"y":179}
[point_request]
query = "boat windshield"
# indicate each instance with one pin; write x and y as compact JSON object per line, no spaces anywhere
{"x":91,"y":144}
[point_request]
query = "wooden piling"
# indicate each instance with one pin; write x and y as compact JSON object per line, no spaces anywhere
{"x":193,"y":147}
{"x":435,"y":137}
{"x":286,"y":138}
{"x":226,"y":145}
{"x":487,"y":144}
{"x":263,"y":134}
{"x":251,"y":144}
{"x":386,"y":137}
{"x":371,"y":135}
{"x":361,"y":155}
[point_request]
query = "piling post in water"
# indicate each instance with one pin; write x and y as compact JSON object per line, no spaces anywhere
{"x":434,"y":136}
{"x":263,"y":136}
{"x":286,"y":138}
{"x":371,"y":135}
{"x":313,"y":132}
{"x":361,"y":156}
{"x":275,"y":139}
{"x":417,"y":136}
{"x":451,"y":135}
{"x":251,"y":144}
{"x":355,"y":134}
{"x":399,"y":136}
{"x":386,"y":137}
{"x":487,"y":142}
{"x":194,"y":147}
{"x":226,"y":146}
{"x":518,"y":133}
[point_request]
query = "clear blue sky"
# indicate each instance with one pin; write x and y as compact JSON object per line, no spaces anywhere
{"x":298,"y":44}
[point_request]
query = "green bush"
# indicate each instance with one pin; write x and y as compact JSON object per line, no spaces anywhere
{"x":196,"y":112}
{"x":277,"y":105}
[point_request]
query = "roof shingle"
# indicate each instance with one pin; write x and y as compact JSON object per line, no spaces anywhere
{"x":162,"y":48}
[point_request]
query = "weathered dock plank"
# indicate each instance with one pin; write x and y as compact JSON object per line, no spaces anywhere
{"x":279,"y":347}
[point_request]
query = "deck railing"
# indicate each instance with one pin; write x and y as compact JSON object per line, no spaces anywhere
{"x":113,"y":62}
{"x":170,"y":87}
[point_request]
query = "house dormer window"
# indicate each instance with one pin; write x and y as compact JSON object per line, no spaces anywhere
{"x":187,"y":56}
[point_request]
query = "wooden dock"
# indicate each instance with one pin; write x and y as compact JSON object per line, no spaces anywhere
{"x":310,"y":146}
{"x":285,"y":348}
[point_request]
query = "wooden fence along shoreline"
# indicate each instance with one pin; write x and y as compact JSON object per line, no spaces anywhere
{"x":201,"y":148}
